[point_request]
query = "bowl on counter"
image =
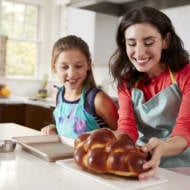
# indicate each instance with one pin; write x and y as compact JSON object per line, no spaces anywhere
{"x":4,"y":91}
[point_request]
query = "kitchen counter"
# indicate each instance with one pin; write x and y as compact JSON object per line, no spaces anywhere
{"x":20,"y":170}
{"x":47,"y":102}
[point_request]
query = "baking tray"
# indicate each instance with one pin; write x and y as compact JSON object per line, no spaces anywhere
{"x":49,"y":148}
{"x":113,"y":181}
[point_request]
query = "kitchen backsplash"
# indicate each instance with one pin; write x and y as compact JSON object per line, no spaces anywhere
{"x":29,"y":88}
{"x":20,"y":87}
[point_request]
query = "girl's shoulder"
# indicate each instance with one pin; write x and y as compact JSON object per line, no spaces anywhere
{"x":91,"y":93}
{"x":89,"y":99}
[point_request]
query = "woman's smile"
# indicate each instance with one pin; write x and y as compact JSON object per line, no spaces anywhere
{"x":144,"y":46}
{"x":142,"y":61}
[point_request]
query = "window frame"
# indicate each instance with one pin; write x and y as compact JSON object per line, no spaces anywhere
{"x":36,"y":41}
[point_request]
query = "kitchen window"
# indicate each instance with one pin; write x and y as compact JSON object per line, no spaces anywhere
{"x":19,"y":22}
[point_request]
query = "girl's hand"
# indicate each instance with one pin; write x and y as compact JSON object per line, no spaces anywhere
{"x":156,"y":147}
{"x":49,"y":130}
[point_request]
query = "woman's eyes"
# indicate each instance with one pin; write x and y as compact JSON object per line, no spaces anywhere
{"x":131,"y":44}
{"x":146,"y":43}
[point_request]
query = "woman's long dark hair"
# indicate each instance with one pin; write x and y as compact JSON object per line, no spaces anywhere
{"x":175,"y":56}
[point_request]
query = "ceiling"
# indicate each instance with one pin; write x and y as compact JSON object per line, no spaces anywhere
{"x":119,"y":7}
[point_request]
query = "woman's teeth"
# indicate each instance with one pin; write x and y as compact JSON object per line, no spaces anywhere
{"x":142,"y":61}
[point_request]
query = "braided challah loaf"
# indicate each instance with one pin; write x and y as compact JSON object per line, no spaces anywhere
{"x":101,"y":151}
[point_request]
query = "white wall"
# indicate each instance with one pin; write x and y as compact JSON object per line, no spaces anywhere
{"x":180,"y":17}
{"x":81,"y":23}
{"x":105,"y":30}
{"x":104,"y":46}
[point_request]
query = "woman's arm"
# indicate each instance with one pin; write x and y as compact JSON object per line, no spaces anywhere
{"x":172,"y":146}
{"x":182,"y":126}
{"x":106,"y":109}
{"x":127,"y":121}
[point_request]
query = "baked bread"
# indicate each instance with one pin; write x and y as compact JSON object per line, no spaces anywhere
{"x":102,"y":151}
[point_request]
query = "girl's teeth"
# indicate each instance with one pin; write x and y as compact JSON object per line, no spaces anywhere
{"x":72,"y":80}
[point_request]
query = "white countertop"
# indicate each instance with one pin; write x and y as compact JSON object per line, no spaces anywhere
{"x":21,"y":170}
{"x":47,"y":102}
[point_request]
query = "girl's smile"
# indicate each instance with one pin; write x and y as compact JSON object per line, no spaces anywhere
{"x":72,"y":67}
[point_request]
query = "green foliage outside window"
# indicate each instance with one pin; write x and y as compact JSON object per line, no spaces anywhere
{"x":20,"y":58}
{"x":19,"y":21}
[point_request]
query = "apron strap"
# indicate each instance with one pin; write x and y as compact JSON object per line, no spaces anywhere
{"x":82,"y":98}
{"x":172,"y":77}
{"x":59,"y":96}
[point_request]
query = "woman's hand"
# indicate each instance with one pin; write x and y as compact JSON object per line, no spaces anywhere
{"x":49,"y":130}
{"x":156,"y":147}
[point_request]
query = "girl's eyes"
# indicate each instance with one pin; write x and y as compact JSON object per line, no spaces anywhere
{"x":65,"y":67}
{"x":78,"y":66}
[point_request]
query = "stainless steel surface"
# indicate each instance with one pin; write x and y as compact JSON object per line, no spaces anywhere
{"x":47,"y":147}
{"x":7,"y":146}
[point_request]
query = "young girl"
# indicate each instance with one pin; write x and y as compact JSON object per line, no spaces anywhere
{"x":81,"y":107}
{"x":152,"y":71}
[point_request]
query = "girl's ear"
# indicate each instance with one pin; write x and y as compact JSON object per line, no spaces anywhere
{"x":53,"y":68}
{"x":166,"y":41}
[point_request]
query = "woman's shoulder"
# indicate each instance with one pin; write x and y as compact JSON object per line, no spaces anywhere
{"x":124,"y":90}
{"x":184,"y":72}
{"x":183,"y":78}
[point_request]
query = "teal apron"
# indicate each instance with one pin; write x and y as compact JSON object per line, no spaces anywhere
{"x":71,"y":118}
{"x":156,"y":118}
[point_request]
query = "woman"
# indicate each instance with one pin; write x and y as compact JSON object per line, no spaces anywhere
{"x":152,"y":72}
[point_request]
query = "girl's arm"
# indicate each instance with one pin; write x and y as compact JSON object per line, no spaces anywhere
{"x":106,"y":109}
{"x":49,"y":130}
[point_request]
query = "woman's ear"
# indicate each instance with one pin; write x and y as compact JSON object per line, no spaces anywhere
{"x":166,"y":41}
{"x":89,"y":65}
